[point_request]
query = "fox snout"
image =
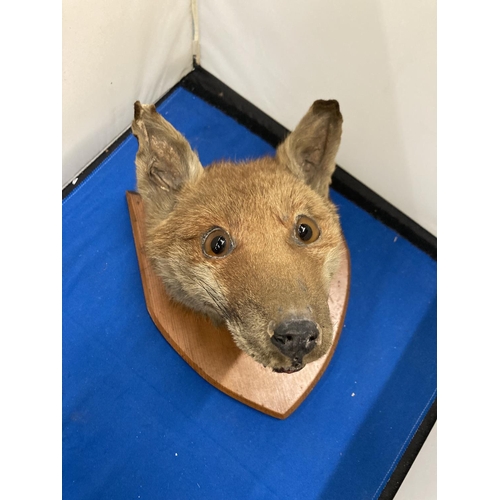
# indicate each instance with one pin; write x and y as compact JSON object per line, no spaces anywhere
{"x":242,"y":242}
{"x":295,"y":338}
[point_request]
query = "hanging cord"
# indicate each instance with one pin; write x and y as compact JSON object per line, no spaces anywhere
{"x":196,"y":33}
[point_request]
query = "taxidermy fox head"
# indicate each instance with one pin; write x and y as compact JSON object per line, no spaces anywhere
{"x":254,"y":245}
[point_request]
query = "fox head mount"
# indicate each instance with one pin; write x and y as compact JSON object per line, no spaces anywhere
{"x":254,"y":245}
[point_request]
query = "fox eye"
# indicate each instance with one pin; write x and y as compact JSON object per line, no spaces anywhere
{"x":306,"y":229}
{"x":217,"y":243}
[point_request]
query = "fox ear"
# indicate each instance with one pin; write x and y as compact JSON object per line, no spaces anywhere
{"x":164,"y":162}
{"x":309,"y":151}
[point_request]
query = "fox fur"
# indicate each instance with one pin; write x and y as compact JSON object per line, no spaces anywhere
{"x":268,"y":276}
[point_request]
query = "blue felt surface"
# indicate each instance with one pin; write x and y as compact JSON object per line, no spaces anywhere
{"x":138,"y":422}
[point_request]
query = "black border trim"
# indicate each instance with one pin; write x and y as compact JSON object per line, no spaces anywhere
{"x":92,"y":166}
{"x":371,"y":202}
{"x":410,"y":454}
{"x":209,"y":88}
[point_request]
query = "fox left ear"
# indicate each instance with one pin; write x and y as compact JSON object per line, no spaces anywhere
{"x":309,"y":151}
{"x":165,"y":162}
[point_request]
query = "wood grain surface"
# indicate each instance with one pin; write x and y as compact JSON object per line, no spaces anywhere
{"x":211,"y":350}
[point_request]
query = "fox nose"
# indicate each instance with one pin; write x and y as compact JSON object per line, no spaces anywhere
{"x":295,"y":338}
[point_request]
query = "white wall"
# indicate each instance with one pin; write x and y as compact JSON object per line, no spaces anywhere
{"x":377,"y":57}
{"x":113,"y":54}
{"x":421,"y":481}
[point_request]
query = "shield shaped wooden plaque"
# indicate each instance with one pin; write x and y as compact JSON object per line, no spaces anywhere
{"x":211,"y":351}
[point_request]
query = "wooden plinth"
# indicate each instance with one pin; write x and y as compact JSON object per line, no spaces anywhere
{"x":212,"y":352}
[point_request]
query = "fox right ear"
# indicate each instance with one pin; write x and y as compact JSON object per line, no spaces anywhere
{"x":164,"y":161}
{"x":309,"y":151}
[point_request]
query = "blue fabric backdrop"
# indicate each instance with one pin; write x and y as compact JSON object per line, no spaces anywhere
{"x":139,"y":423}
